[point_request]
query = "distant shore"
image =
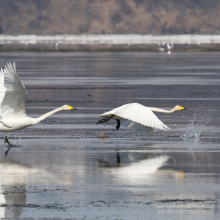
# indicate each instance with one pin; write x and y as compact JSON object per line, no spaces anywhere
{"x":151,"y":43}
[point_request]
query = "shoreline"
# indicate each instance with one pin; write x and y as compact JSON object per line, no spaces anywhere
{"x":109,"y":48}
{"x":129,"y":43}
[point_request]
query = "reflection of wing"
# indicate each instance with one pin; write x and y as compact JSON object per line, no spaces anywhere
{"x":144,"y":167}
{"x":2,"y":88}
{"x":15,"y":96}
{"x":139,"y":114}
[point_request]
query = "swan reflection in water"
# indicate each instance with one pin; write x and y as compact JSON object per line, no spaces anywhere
{"x":13,"y":179}
{"x":9,"y":147}
{"x":12,"y":188}
{"x":134,"y":165}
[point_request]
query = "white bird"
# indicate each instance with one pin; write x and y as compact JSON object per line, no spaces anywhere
{"x":138,"y":117}
{"x":12,"y":103}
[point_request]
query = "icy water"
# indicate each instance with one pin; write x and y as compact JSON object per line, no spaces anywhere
{"x":67,"y":167}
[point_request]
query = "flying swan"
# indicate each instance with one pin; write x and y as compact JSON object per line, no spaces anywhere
{"x":12,"y":103}
{"x":138,"y":117}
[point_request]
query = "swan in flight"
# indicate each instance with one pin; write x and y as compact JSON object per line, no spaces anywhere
{"x":138,"y":117}
{"x":12,"y":103}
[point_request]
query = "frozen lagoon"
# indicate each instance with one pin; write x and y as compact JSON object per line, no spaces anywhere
{"x":60,"y":169}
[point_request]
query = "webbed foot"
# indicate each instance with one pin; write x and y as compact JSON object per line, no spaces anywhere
{"x":105,"y":119}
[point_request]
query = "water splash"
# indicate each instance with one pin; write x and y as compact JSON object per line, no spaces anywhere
{"x":192,"y":133}
{"x":200,"y":119}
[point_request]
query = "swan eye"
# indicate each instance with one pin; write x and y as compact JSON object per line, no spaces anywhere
{"x":71,"y":108}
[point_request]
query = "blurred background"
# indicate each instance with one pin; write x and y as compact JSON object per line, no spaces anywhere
{"x":110,"y":17}
{"x":155,"y":17}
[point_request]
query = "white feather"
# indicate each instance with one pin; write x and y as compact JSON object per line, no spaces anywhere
{"x":141,"y":117}
{"x":12,"y":102}
{"x":2,"y":88}
{"x":15,"y":94}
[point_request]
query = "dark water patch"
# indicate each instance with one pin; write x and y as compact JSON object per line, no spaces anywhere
{"x":46,"y":206}
{"x":185,"y":201}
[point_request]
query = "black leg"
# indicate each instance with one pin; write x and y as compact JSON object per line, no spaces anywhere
{"x":6,"y":140}
{"x":9,"y":147}
{"x":6,"y":152}
{"x":118,"y":124}
{"x":105,"y":119}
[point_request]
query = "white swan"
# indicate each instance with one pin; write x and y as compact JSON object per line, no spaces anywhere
{"x":138,"y":117}
{"x":12,"y":103}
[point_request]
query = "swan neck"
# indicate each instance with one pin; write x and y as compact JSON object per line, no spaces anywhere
{"x":162,"y":110}
{"x":42,"y":117}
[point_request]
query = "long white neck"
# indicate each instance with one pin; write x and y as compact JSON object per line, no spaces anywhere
{"x":42,"y":117}
{"x":162,"y":110}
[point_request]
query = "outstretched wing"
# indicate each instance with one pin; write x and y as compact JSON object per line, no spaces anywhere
{"x":2,"y":88}
{"x":13,"y":104}
{"x":140,"y":115}
{"x":137,"y":127}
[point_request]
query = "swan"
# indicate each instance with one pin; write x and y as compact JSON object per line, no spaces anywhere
{"x":12,"y":103}
{"x":138,"y":117}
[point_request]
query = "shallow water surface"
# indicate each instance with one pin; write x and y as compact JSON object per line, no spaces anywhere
{"x":67,"y":167}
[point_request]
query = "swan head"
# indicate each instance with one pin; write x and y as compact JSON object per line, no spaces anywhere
{"x":68,"y":107}
{"x":179,"y":108}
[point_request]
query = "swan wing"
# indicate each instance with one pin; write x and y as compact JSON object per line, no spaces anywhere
{"x":141,"y":128}
{"x":2,"y":88}
{"x":137,"y":127}
{"x":141,"y":115}
{"x":13,"y":104}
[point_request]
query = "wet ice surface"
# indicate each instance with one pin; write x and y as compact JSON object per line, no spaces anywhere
{"x":64,"y":168}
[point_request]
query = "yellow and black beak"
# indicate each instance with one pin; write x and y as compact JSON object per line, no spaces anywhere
{"x":182,"y":108}
{"x":71,"y":108}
